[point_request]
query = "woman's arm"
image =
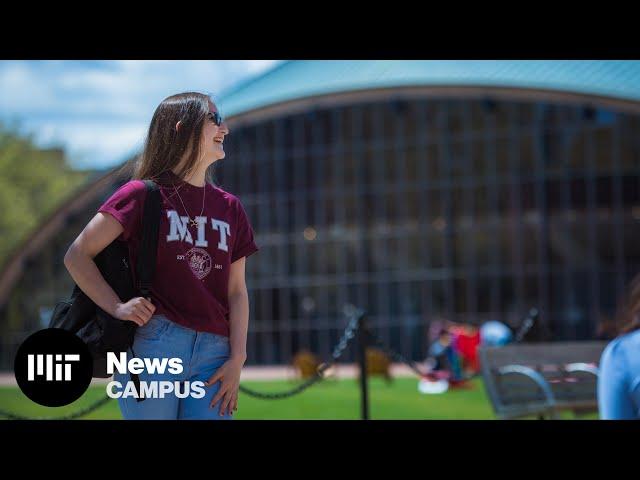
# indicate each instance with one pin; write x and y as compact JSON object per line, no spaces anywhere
{"x":229,"y":373}
{"x":100,"y":232}
{"x":614,"y":398}
{"x":238,"y":310}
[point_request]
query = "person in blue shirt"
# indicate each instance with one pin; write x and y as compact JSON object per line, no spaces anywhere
{"x":443,"y":356}
{"x":619,"y":376}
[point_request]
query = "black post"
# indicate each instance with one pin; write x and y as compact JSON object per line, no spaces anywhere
{"x":362,"y":360}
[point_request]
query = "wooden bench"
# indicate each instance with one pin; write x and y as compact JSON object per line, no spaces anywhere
{"x":541,"y":379}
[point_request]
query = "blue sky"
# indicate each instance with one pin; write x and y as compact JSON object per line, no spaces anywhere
{"x":99,"y":110}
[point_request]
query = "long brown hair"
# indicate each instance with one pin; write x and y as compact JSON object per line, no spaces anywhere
{"x":628,"y":315}
{"x":165,"y":146}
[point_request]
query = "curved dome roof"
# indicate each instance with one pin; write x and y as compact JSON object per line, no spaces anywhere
{"x":299,"y":79}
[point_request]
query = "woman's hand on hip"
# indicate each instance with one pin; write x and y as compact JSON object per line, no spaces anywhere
{"x":229,"y":376}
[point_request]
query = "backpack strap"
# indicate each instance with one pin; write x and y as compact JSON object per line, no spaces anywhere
{"x":146,"y":262}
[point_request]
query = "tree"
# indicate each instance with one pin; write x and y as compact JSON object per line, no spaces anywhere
{"x":33,"y":183}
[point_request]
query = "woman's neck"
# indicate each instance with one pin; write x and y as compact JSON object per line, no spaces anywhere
{"x":197,"y":178}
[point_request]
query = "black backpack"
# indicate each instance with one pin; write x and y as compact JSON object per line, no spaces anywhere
{"x":100,"y":331}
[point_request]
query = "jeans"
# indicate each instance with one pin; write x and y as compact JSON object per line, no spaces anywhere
{"x":202,"y":353}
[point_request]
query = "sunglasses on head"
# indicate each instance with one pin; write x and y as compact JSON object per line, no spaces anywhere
{"x":215,"y":117}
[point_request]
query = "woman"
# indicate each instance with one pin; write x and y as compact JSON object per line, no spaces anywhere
{"x":198,"y":309}
{"x":619,"y":378}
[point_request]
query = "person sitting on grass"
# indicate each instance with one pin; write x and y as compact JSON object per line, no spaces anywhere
{"x":444,"y":360}
{"x":466,"y":339}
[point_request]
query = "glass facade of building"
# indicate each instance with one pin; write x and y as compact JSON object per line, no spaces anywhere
{"x":423,"y":209}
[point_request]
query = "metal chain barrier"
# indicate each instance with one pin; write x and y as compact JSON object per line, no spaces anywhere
{"x":348,"y":334}
{"x":392,"y":353}
{"x":80,"y":413}
{"x":531,"y":318}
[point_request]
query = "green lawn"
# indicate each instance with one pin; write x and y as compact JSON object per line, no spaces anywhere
{"x":330,"y":399}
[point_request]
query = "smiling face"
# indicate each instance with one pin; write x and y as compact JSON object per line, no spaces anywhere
{"x":186,"y":135}
{"x":212,"y":140}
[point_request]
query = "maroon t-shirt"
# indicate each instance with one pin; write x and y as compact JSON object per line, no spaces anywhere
{"x":191,"y":280}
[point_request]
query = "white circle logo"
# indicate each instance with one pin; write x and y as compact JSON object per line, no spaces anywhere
{"x":199,"y":261}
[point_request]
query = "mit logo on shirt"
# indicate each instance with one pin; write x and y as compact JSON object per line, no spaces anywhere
{"x":44,"y":365}
{"x":179,"y":231}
